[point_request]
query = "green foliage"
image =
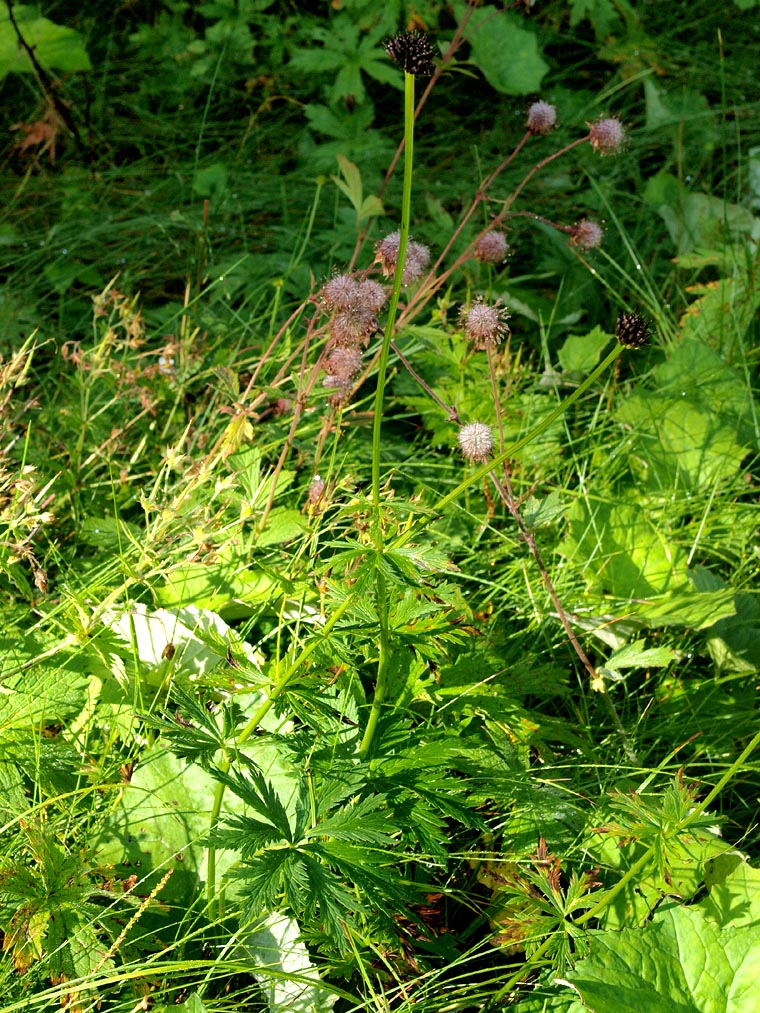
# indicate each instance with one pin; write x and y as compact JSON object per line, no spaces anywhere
{"x":299,"y":708}
{"x":56,"y":47}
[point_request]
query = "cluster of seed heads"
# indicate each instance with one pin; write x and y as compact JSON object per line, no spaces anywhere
{"x":353,"y":305}
{"x":416,"y":260}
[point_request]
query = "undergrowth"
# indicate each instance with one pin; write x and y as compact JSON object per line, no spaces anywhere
{"x":379,"y":503}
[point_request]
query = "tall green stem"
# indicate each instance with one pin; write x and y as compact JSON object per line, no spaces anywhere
{"x":382,"y":366}
{"x":381,"y":592}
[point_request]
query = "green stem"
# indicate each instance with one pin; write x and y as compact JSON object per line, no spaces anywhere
{"x":381,"y":687}
{"x":382,"y":366}
{"x":382,"y":668}
{"x":609,"y":895}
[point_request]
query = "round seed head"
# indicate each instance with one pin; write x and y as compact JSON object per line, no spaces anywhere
{"x":371,"y":295}
{"x":344,"y":362}
{"x":352,"y":327}
{"x":542,"y":118}
{"x":607,"y":135}
{"x":484,"y":324}
{"x":492,"y":248}
{"x":415,"y":263}
{"x":586,"y":234}
{"x":476,"y":441}
{"x":341,"y":292}
{"x":633,"y":330}
{"x":413,"y":52}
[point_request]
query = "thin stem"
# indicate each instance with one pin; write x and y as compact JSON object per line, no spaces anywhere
{"x":480,"y":472}
{"x":451,"y":410}
{"x":381,"y":590}
{"x":382,"y":366}
{"x":383,"y":657}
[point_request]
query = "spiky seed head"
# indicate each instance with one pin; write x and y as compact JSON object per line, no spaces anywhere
{"x":371,"y":295}
{"x":341,"y":292}
{"x":344,"y":362}
{"x":484,"y":324}
{"x":476,"y":441}
{"x":586,"y":234}
{"x":542,"y":118}
{"x":413,"y":52}
{"x":607,"y":135}
{"x":415,"y":263}
{"x":633,"y":330}
{"x":492,"y":248}
{"x":353,"y":327}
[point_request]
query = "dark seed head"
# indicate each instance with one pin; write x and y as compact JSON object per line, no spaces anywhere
{"x":412,"y":52}
{"x":633,"y":330}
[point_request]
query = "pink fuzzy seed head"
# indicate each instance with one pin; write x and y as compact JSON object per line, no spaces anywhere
{"x":476,"y":441}
{"x":492,"y":248}
{"x":607,"y":136}
{"x":542,"y":118}
{"x":341,"y":292}
{"x":586,"y":234}
{"x":484,"y":325}
{"x":415,"y":263}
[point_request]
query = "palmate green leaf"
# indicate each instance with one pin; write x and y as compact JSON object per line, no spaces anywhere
{"x":259,"y":794}
{"x":361,"y":822}
{"x":263,"y":880}
{"x":245,"y":835}
{"x":192,"y":732}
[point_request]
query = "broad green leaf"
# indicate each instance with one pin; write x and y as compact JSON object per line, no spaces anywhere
{"x":505,"y":51}
{"x":678,"y":445}
{"x":581,"y":352}
{"x":55,"y":46}
{"x":734,"y":897}
{"x":680,"y":962}
{"x":193,"y":640}
{"x":290,"y":981}
{"x":622,"y":550}
{"x":163,"y":814}
{"x":637,"y":655}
